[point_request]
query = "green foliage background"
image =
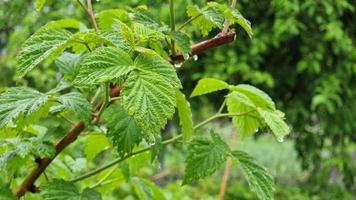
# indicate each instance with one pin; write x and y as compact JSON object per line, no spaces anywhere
{"x":303,"y":53}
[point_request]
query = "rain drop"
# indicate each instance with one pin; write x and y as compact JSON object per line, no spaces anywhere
{"x":195,"y":57}
{"x":178,"y":65}
{"x":280,"y":139}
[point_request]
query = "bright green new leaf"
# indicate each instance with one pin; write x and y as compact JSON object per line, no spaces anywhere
{"x":150,"y":99}
{"x":107,"y":18}
{"x":122,"y":129}
{"x":206,"y":18}
{"x":94,"y":144}
{"x":182,"y":40}
{"x":247,"y":123}
{"x":234,"y":16}
{"x":115,"y":39}
{"x":275,"y":122}
{"x":257,"y":177}
{"x":146,"y":190}
{"x":21,"y":105}
{"x":66,"y":23}
{"x":39,"y":4}
{"x":208,"y":85}
{"x":146,"y":34}
{"x":185,"y":115}
{"x":103,"y":65}
{"x":46,"y":42}
{"x":204,"y":157}
{"x":257,"y":96}
{"x":77,"y":104}
{"x":62,"y":190}
{"x":159,"y":66}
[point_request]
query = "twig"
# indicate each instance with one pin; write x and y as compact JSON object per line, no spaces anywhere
{"x":165,"y":142}
{"x":205,"y":45}
{"x":227,"y":169}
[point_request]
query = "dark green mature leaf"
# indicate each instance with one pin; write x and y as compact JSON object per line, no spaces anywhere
{"x":103,"y":65}
{"x":6,"y":194}
{"x":158,"y":66}
{"x":146,"y":190}
{"x":257,"y":96}
{"x":206,"y":18}
{"x":208,"y":85}
{"x":204,"y":157}
{"x":245,"y":124}
{"x":22,"y":105}
{"x":122,"y":129}
{"x":185,"y":116}
{"x":62,"y":190}
{"x":257,"y":177}
{"x":150,"y":99}
{"x":78,"y":104}
{"x":182,"y":40}
{"x":275,"y":122}
{"x":46,"y":42}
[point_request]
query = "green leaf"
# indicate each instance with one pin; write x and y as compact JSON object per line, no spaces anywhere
{"x":204,"y":157}
{"x":185,"y":116}
{"x":257,"y":96}
{"x":6,"y":194}
{"x":103,"y":65}
{"x":150,"y":99}
{"x":66,"y":23}
{"x":39,"y":4}
{"x":146,"y":34}
{"x":62,"y":190}
{"x":122,"y":129}
{"x":206,"y":19}
{"x":245,"y":124}
{"x":208,"y":85}
{"x":115,"y":39}
{"x":94,"y":144}
{"x":275,"y":122}
{"x":21,"y":105}
{"x":107,"y":18}
{"x":46,"y":42}
{"x":146,"y":190}
{"x":90,"y":194}
{"x":159,"y":66}
{"x":78,"y":104}
{"x":257,"y":177}
{"x":67,"y":64}
{"x":182,"y":40}
{"x":234,"y":16}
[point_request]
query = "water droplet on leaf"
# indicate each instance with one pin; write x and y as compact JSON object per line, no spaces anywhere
{"x":178,"y":65}
{"x":195,"y":57}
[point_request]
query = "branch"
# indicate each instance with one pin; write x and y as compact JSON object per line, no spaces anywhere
{"x":202,"y":46}
{"x":28,"y":183}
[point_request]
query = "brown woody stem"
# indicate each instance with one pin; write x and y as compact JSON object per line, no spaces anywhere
{"x":202,"y":46}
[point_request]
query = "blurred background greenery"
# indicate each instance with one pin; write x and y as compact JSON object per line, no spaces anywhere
{"x":303,"y":54}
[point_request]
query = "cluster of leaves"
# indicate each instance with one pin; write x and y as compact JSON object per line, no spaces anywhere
{"x":131,"y":49}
